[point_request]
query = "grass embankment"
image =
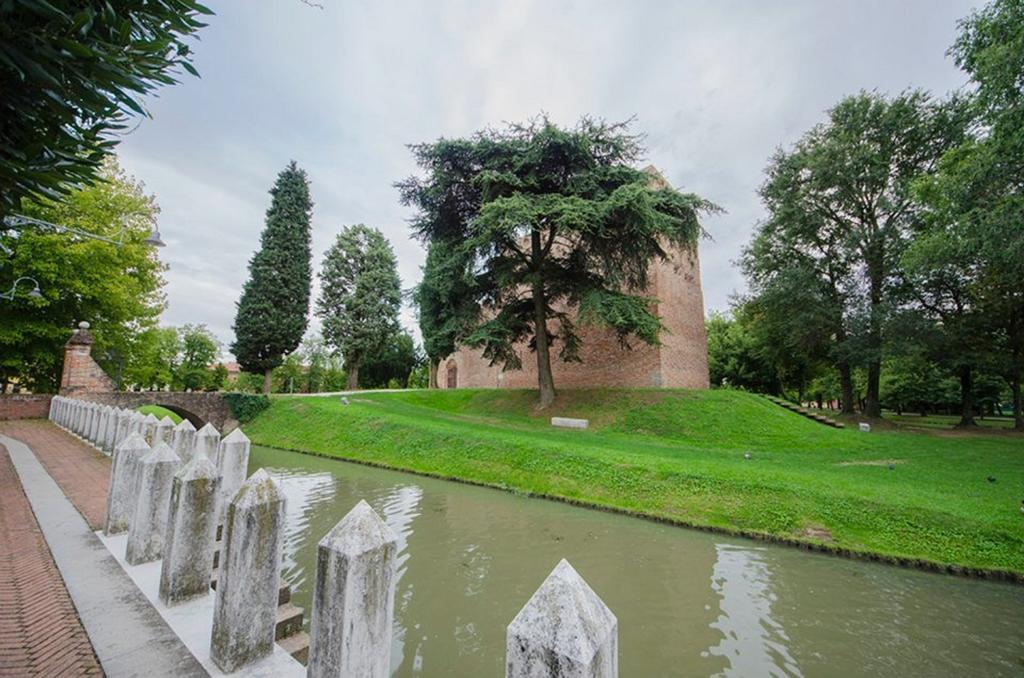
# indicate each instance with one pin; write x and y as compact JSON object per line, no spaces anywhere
{"x":680,"y":456}
{"x":159,"y":412}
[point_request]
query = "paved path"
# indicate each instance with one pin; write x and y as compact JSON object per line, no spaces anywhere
{"x":82,"y":471}
{"x":128,"y":635}
{"x":40,"y":633}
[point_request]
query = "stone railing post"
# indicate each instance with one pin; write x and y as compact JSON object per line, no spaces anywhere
{"x":138,"y":423}
{"x":98,"y":422}
{"x":189,"y":538}
{"x":164,"y":428}
{"x":149,"y":423}
{"x":109,"y":430}
{"x":124,"y":471}
{"x":146,"y":532}
{"x":233,"y":458}
{"x":245,"y":610}
{"x":350,"y":632}
{"x":183,"y":438}
{"x":207,"y":440}
{"x":565,"y":629}
{"x":123,"y":423}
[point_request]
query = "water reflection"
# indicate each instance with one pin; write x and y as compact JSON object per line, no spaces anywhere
{"x":688,"y":603}
{"x":752,"y":640}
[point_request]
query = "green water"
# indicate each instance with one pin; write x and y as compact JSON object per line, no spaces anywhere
{"x":688,"y":603}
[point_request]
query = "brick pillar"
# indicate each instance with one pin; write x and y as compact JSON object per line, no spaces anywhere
{"x":81,"y":373}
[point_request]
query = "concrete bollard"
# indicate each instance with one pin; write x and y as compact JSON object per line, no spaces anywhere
{"x":245,"y":611}
{"x":123,"y":483}
{"x":121,"y":431}
{"x":354,"y":596}
{"x":146,"y":532}
{"x":109,"y":431}
{"x":565,"y":629}
{"x":138,"y":423}
{"x":149,"y":423}
{"x":98,"y":423}
{"x":233,"y":465}
{"x":164,"y":429}
{"x":206,"y":441}
{"x":183,"y":438}
{"x":189,"y":537}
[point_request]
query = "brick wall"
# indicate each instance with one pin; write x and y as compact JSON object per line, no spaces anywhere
{"x":18,"y":406}
{"x":681,"y":361}
{"x":81,"y":374}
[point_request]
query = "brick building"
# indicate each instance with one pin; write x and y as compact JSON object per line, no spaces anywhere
{"x":681,"y":361}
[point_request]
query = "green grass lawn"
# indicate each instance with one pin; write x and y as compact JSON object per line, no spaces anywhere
{"x":680,"y":455}
{"x":159,"y":412}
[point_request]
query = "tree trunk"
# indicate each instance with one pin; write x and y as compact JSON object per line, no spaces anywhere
{"x":1018,"y":414}
{"x":266,"y":381}
{"x":966,"y":398}
{"x":846,"y":386}
{"x":353,"y":377}
{"x":432,"y":366}
{"x":872,"y":403}
{"x":545,"y":380}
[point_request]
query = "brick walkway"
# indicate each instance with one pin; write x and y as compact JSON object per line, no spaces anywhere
{"x":82,"y":472}
{"x":40,"y":634}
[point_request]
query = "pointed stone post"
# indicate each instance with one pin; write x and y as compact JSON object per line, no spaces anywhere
{"x":233,"y":466}
{"x":138,"y":423}
{"x":245,"y":611}
{"x":149,"y":428}
{"x":183,"y":439}
{"x":565,"y":629}
{"x":98,"y":422}
{"x":164,"y":428}
{"x":123,"y":420}
{"x":189,"y":538}
{"x":146,"y":533}
{"x":109,"y":431}
{"x":206,"y":441}
{"x":354,"y":598}
{"x":124,"y":473}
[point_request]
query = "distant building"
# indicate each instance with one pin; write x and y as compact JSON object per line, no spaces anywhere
{"x":234,"y":369}
{"x":681,"y":361}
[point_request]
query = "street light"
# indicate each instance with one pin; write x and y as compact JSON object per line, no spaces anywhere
{"x":153,"y":239}
{"x":34,"y":294}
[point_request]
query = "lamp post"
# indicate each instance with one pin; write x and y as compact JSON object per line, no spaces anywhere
{"x":34,"y":294}
{"x":15,"y":221}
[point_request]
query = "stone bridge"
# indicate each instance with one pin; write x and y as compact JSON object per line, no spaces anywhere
{"x":82,"y":378}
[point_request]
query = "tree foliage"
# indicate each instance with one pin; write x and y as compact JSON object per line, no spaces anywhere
{"x":391,"y":365}
{"x":72,"y":75}
{"x":116,"y":289}
{"x":841,"y":212}
{"x":360,"y":296}
{"x":558,"y":227}
{"x":445,"y":302}
{"x":273,"y":310}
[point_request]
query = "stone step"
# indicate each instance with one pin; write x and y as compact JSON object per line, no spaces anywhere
{"x":284,"y":593}
{"x":297,"y":645}
{"x":289,"y":621}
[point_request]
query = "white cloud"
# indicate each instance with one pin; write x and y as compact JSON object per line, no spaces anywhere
{"x":716,"y":88}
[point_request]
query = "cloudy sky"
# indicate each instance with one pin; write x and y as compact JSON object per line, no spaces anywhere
{"x":716,"y":87}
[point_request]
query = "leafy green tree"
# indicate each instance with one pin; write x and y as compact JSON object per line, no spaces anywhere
{"x":116,"y":289}
{"x":199,"y":350}
{"x":561,"y":229}
{"x":316,"y":356}
{"x":218,"y":378}
{"x":978,"y":192}
{"x":154,"y":356}
{"x":360,"y":296}
{"x":290,"y":375}
{"x":72,"y":74}
{"x":840,"y":208}
{"x":444,"y":300}
{"x":735,"y":359}
{"x":273,"y":310}
{"x":394,"y":362}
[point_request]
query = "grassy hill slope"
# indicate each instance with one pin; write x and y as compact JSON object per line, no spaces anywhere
{"x":681,"y":456}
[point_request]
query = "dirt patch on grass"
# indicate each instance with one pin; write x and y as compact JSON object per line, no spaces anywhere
{"x":873,"y":462}
{"x":816,"y":532}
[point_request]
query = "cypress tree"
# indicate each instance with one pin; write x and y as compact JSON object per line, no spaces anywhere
{"x":273,"y":311}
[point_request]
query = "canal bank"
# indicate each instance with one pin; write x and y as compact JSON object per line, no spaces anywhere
{"x":688,"y":602}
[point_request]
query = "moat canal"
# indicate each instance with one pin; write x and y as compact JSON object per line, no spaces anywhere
{"x":688,"y":602}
